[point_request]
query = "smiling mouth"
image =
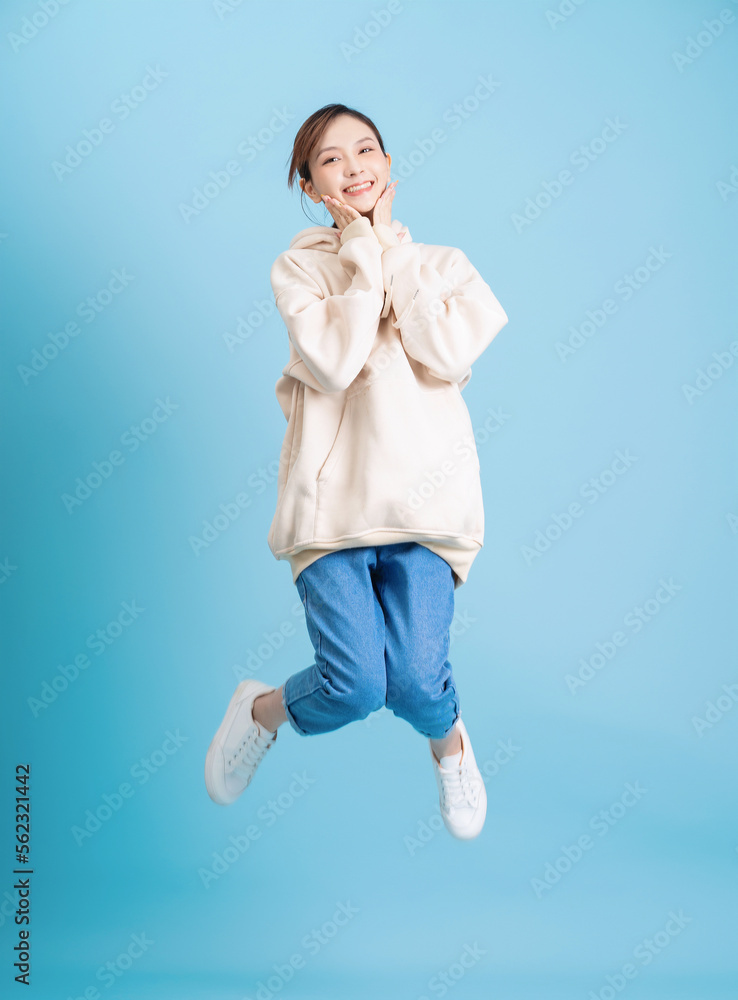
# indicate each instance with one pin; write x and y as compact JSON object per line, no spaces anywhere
{"x":362,"y":189}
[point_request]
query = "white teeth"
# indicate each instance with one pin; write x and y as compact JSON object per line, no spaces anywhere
{"x":359,"y":187}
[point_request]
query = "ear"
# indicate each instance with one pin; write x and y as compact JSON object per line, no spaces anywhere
{"x":389,"y":161}
{"x":310,"y":191}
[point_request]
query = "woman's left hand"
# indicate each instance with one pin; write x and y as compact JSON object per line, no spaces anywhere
{"x":382,"y":211}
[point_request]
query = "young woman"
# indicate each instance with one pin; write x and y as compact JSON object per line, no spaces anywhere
{"x":379,"y":507}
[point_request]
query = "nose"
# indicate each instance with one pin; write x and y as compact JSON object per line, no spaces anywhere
{"x":353,"y":166}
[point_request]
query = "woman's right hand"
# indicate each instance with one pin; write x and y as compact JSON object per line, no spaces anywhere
{"x":342,"y":214}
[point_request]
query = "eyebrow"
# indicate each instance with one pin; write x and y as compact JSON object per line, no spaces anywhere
{"x":326,"y":148}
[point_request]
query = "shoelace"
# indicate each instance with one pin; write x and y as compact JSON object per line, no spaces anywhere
{"x":458,"y":789}
{"x":249,"y":752}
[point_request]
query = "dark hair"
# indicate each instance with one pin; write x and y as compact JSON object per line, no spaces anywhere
{"x":309,"y":135}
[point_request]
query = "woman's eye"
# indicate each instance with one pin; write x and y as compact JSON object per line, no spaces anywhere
{"x":364,"y":150}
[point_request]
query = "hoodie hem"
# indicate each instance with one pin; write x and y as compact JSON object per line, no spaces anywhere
{"x":459,"y":551}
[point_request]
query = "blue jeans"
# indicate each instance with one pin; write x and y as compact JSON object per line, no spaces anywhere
{"x":379,"y":619}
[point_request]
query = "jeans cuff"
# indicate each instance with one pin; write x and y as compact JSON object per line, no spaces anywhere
{"x":288,"y":713}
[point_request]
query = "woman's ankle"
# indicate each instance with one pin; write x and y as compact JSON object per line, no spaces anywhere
{"x":448,"y":746}
{"x":268,"y":710}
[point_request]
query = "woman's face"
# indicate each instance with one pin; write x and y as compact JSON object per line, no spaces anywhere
{"x":346,"y":156}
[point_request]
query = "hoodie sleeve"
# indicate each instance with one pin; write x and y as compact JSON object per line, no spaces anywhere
{"x":445,"y":320}
{"x":333,"y":334}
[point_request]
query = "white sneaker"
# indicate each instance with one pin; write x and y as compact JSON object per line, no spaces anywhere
{"x":463,"y":796}
{"x":238,"y":747}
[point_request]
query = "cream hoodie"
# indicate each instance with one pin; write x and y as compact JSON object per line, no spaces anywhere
{"x":379,"y":447}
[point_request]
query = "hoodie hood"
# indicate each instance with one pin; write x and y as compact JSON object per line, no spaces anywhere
{"x":327,"y":238}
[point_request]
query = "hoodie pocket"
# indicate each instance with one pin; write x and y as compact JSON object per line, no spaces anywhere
{"x":403,"y":459}
{"x":338,"y":446}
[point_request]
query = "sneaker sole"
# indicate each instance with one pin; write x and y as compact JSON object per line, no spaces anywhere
{"x":215,"y":759}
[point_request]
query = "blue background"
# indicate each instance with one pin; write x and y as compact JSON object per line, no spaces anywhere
{"x":366,"y":829}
